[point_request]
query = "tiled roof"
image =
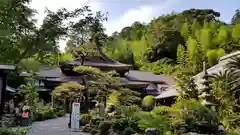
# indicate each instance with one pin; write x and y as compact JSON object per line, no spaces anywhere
{"x":53,"y":73}
{"x":66,"y":79}
{"x":229,"y":56}
{"x":10,"y":89}
{"x":7,"y":67}
{"x":147,"y":76}
{"x":98,"y":64}
{"x":134,"y":77}
{"x":170,"y":92}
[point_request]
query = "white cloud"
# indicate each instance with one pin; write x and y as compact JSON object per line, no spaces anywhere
{"x":141,"y":14}
{"x":144,"y":14}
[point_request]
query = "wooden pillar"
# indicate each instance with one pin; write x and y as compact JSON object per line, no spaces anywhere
{"x":3,"y":83}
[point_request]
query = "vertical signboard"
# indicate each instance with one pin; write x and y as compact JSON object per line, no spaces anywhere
{"x":75,"y":117}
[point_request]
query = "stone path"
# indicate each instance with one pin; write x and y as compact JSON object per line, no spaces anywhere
{"x":58,"y":126}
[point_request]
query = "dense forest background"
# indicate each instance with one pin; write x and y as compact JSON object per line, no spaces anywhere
{"x":173,"y":42}
{"x":168,"y":44}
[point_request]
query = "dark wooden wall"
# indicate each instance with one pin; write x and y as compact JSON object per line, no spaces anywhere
{"x":3,"y":76}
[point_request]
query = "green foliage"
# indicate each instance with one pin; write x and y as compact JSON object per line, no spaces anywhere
{"x":125,"y":126}
{"x":181,"y":55}
{"x":69,"y":89}
{"x":120,"y":50}
{"x":90,"y":71}
{"x":236,"y":17}
{"x":201,"y":35}
{"x":185,"y":30}
{"x":152,"y":120}
{"x":22,"y":39}
{"x":104,"y":127}
{"x":14,"y":131}
{"x":129,"y":112}
{"x":188,"y":87}
{"x":148,"y":102}
{"x":65,"y":57}
{"x":213,"y":55}
{"x":184,"y":116}
{"x":46,"y":113}
{"x":192,"y":48}
{"x":30,"y":93}
{"x":226,"y":91}
{"x":113,"y":98}
{"x":193,"y":112}
{"x":160,"y":67}
{"x":30,"y":65}
{"x":234,"y":132}
{"x":166,"y":45}
{"x":85,"y":119}
{"x":129,"y":97}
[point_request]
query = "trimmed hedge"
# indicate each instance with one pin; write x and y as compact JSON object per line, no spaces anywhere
{"x":45,"y":114}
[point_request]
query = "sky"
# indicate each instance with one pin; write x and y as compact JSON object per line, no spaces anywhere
{"x":122,"y":13}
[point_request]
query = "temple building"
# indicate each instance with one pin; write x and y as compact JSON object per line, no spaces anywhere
{"x":144,"y":82}
{"x":222,"y":65}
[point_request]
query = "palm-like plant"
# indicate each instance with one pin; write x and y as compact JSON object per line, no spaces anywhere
{"x":188,"y":87}
{"x":226,"y":88}
{"x":228,"y":78}
{"x":234,"y":67}
{"x":234,"y":63}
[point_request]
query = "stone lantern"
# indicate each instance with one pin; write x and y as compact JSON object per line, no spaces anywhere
{"x":206,"y":93}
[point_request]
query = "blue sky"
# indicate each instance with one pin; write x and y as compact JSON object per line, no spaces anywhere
{"x":122,"y":13}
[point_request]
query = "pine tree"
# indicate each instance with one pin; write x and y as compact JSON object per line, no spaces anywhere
{"x":181,"y":55}
{"x":205,"y":39}
{"x":185,"y":30}
{"x":195,"y":27}
{"x":191,"y":54}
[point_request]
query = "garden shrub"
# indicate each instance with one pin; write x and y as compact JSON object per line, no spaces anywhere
{"x":152,"y":120}
{"x":47,"y":113}
{"x":234,"y":132}
{"x":85,"y":119}
{"x":148,"y":102}
{"x":196,"y":116}
{"x":184,"y":116}
{"x":128,"y":131}
{"x":125,"y":126}
{"x":94,"y":131}
{"x":14,"y":131}
{"x":86,"y":128}
{"x":104,"y":127}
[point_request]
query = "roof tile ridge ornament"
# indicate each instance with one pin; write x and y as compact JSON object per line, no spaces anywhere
{"x":104,"y":56}
{"x":99,"y":49}
{"x":83,"y":55}
{"x":206,"y":93}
